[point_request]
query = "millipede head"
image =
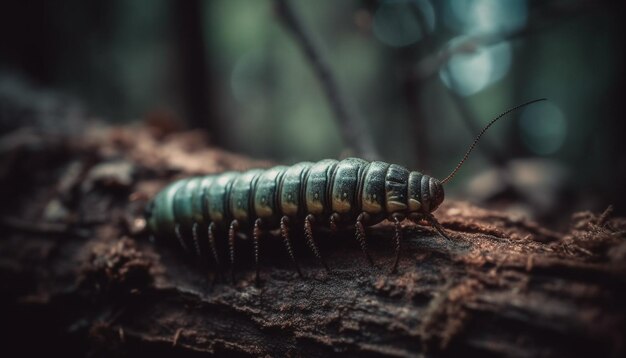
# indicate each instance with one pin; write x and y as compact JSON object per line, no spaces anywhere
{"x":437,"y":193}
{"x":425,"y":193}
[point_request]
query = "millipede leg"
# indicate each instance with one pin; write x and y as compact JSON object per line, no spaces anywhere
{"x":196,"y":242}
{"x":232,"y":232}
{"x":308,"y":232}
{"x":438,"y":227}
{"x":213,"y":247}
{"x":181,"y":240}
{"x":334,"y":219}
{"x":397,"y":237}
{"x":284,"y":232}
{"x":256,"y":235}
{"x":360,"y":235}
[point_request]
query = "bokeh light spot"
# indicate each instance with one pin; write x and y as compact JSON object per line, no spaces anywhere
{"x":543,"y":128}
{"x":396,"y":22}
{"x":468,"y":73}
{"x":481,"y":16}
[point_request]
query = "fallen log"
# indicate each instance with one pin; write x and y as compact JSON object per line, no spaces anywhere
{"x":79,"y":275}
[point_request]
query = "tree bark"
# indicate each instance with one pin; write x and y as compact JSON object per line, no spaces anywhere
{"x":80,"y":276}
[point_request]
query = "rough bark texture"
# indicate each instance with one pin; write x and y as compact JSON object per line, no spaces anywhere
{"x":79,"y":276}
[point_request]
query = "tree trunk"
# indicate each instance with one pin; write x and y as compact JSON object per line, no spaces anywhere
{"x":80,"y":276}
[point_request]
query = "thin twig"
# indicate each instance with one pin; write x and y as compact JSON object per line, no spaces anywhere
{"x":352,"y":127}
{"x":605,"y":215}
{"x":419,"y":123}
{"x":430,"y":65}
{"x":439,"y":61}
{"x":462,"y":107}
{"x":548,"y":16}
{"x":468,"y":117}
{"x":412,"y":90}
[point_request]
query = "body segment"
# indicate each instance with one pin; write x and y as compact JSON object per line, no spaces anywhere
{"x":241,"y":199}
{"x":345,"y":200}
{"x":373,"y":193}
{"x":217,"y":197}
{"x":292,"y":201}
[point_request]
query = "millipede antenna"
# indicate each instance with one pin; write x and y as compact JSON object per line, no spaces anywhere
{"x":458,"y":166}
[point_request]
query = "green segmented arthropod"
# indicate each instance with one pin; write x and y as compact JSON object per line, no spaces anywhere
{"x":348,"y":192}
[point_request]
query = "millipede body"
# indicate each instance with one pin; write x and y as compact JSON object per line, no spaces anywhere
{"x":348,"y":192}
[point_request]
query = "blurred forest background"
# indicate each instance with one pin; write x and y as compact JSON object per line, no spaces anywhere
{"x":422,"y":77}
